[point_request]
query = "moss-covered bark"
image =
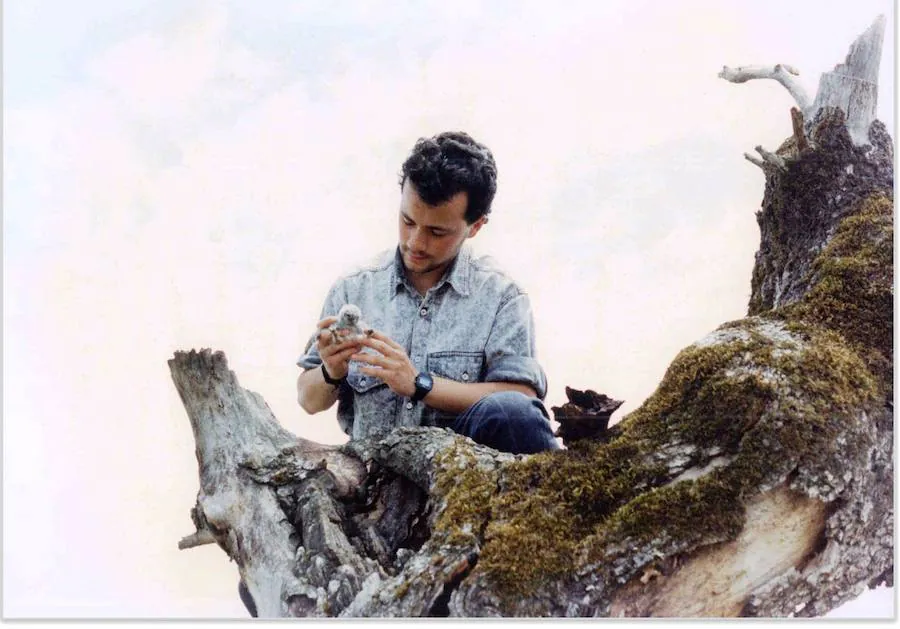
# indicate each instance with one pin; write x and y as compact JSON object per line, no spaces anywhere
{"x":768,"y":403}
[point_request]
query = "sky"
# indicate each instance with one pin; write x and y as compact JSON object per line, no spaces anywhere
{"x":190,"y":174}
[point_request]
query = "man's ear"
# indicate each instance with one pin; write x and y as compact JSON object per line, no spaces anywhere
{"x":476,"y":226}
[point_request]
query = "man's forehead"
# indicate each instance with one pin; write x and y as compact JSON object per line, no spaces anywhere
{"x":444,"y":214}
{"x":432,"y":217}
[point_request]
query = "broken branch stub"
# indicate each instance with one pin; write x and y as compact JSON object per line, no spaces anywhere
{"x":782,"y":73}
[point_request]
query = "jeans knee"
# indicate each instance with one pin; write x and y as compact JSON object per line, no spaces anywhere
{"x":508,"y":421}
{"x":518,"y":406}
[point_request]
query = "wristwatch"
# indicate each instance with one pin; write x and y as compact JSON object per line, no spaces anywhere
{"x":424,"y":383}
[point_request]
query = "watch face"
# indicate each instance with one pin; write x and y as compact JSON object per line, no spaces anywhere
{"x":424,"y":380}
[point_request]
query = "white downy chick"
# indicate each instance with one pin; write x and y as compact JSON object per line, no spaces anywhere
{"x":349,"y":325}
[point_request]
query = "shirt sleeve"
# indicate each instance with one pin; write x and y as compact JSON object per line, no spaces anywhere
{"x":510,"y":349}
{"x":336,"y":298}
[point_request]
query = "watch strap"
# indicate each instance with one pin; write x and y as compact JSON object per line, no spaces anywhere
{"x":332,"y":381}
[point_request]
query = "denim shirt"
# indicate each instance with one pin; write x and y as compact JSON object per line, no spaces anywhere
{"x":474,"y":325}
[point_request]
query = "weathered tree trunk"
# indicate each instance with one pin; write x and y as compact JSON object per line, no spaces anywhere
{"x":853,"y":85}
{"x":756,"y":480}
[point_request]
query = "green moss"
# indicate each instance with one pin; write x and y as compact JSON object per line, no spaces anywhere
{"x":853,"y":291}
{"x":701,"y":400}
{"x":550,"y":502}
{"x":701,"y":511}
{"x":467,"y":491}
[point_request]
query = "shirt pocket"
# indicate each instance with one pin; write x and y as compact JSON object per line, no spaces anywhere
{"x":460,"y":366}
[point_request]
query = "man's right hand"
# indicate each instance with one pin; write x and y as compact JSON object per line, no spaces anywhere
{"x":336,"y":356}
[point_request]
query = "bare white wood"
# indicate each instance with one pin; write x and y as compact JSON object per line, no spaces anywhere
{"x":853,"y":85}
{"x":782,"y":73}
{"x":198,"y":538}
{"x":753,"y":159}
{"x":771,"y":158}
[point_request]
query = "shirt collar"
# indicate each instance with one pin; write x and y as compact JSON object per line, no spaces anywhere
{"x":457,"y":275}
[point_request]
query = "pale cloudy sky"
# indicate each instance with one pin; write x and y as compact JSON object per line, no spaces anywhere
{"x":195,"y":174}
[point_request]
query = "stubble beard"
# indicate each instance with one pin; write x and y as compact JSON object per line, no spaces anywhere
{"x":417,"y":268}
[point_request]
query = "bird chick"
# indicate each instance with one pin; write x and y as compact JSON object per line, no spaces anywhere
{"x":349,"y":325}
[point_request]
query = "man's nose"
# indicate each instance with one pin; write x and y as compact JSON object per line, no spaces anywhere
{"x":418,"y":240}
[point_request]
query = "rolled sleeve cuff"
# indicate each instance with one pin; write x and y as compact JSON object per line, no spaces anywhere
{"x":311,"y":359}
{"x":518,"y":369}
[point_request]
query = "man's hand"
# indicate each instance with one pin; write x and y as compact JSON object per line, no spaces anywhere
{"x":391,"y":365}
{"x":336,"y":356}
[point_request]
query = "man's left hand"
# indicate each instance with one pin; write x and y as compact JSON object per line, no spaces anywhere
{"x":391,"y":365}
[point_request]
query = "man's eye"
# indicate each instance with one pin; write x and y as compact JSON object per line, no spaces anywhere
{"x":434,"y":232}
{"x":408,"y":222}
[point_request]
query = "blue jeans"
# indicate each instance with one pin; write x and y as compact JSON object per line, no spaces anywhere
{"x":508,"y":421}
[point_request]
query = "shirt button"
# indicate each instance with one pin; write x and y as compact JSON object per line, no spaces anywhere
{"x":409,"y":406}
{"x":423,"y":311}
{"x":465,"y":376}
{"x":362,"y":380}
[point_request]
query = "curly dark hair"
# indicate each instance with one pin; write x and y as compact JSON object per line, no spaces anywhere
{"x":452,"y":162}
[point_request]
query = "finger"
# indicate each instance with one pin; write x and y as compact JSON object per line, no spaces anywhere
{"x":325,"y":339}
{"x":384,"y":338}
{"x":378,"y":346}
{"x":324,"y":323}
{"x":341,"y":356}
{"x":375,"y":372}
{"x":328,"y":346}
{"x":334,"y":348}
{"x":371,"y":359}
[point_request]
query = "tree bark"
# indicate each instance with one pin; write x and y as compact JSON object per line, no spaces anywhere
{"x":757,"y":480}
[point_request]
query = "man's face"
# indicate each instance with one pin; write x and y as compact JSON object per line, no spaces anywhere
{"x":432,"y":235}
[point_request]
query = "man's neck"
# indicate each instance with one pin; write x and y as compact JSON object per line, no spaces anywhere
{"x":423,"y":282}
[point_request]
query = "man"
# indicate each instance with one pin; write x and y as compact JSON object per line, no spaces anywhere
{"x":453,"y":341}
